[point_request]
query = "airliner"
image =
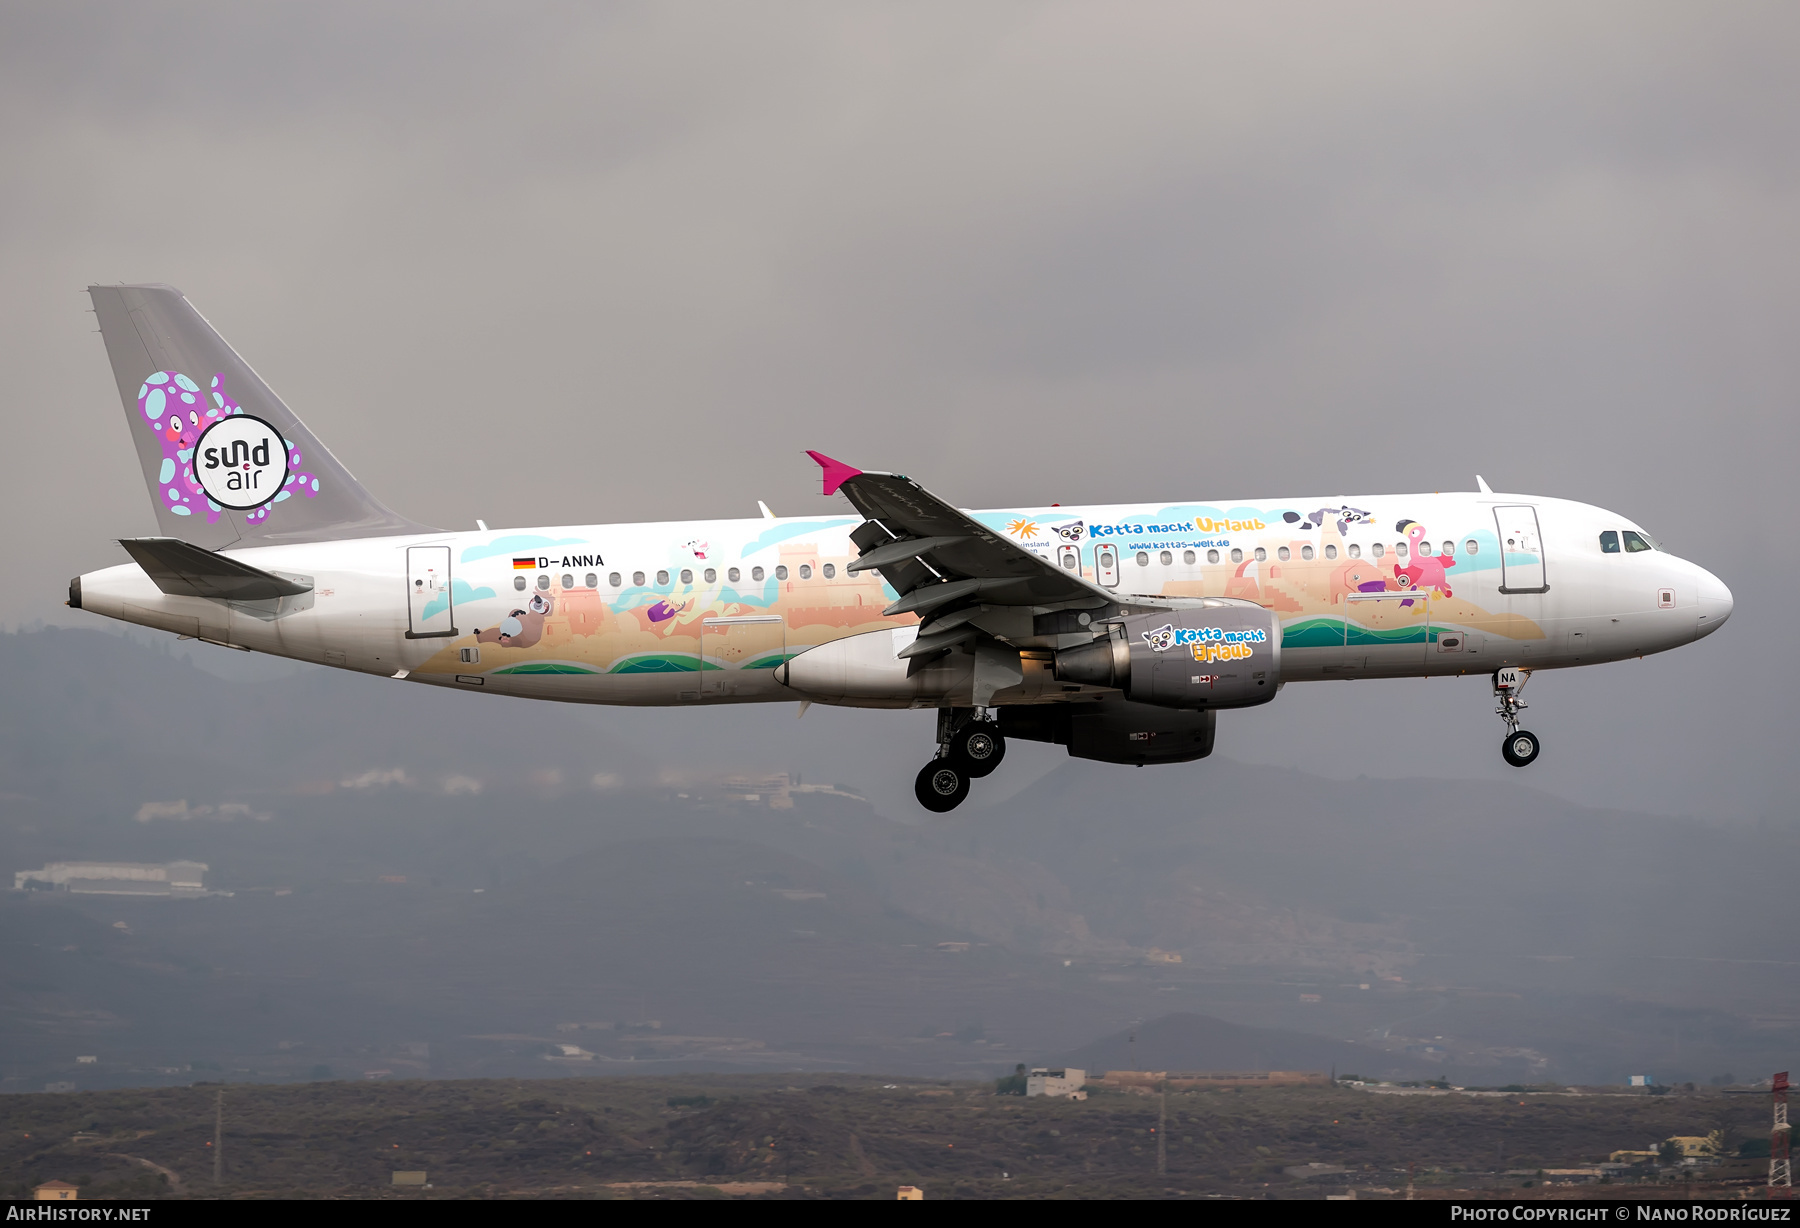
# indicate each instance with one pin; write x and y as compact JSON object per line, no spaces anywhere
{"x":1118,"y":631}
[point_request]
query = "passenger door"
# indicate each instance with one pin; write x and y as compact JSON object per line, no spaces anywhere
{"x":731,"y":646}
{"x":1521,"y":550}
{"x":428,"y":595}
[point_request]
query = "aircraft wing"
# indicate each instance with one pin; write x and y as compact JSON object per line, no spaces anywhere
{"x":942,"y":561}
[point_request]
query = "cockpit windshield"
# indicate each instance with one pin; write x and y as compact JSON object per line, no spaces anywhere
{"x":1635,"y":541}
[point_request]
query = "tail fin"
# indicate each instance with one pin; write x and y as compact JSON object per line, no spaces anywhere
{"x":226,"y":462}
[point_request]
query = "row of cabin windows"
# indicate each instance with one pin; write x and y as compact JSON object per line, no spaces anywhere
{"x":1634,"y":542}
{"x":709,"y":576}
{"x":1378,"y":550}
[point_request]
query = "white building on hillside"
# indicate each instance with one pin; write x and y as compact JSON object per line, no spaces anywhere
{"x":174,"y":878}
{"x":1065,"y":1082}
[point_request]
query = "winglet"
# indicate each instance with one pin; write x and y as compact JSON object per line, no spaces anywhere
{"x":836,"y":472}
{"x":1479,"y":481}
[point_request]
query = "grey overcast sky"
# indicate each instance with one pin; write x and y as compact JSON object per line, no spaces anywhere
{"x":587,"y":262}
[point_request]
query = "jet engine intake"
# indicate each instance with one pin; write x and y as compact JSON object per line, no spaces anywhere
{"x":1225,"y":656}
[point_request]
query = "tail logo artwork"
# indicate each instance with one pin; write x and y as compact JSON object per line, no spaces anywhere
{"x":215,"y":456}
{"x":240,"y":462}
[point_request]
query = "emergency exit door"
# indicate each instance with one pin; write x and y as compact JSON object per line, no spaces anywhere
{"x":428,"y":612}
{"x":1521,"y":550}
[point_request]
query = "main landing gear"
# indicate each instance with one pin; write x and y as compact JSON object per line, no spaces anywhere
{"x":969,"y":747}
{"x":1520,"y":747}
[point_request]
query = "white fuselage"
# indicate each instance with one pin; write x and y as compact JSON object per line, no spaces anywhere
{"x":664,"y":613}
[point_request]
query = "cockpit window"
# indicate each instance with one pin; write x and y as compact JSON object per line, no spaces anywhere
{"x":1635,"y":542}
{"x":1609,"y":542}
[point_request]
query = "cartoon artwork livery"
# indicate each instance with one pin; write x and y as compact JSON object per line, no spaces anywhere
{"x":1071,"y":626}
{"x":179,"y":412}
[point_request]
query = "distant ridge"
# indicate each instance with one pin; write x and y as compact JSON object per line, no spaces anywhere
{"x":1188,"y":1041}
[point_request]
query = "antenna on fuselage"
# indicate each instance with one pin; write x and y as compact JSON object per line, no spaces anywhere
{"x":767,"y":514}
{"x":1482,"y":483}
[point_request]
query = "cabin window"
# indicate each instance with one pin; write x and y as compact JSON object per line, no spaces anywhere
{"x":830,"y":570}
{"x":519,"y":583}
{"x":1283,"y":553}
{"x":709,"y":575}
{"x":1635,"y":542}
{"x":1471,"y":546}
{"x":637,"y":577}
{"x":568,"y":580}
{"x":544,"y":582}
{"x":1609,"y":542}
{"x":1331,"y":552}
{"x":1424,"y":549}
{"x":1400,"y":549}
{"x":1375,"y":551}
{"x":756,"y":573}
{"x":1449,"y":548}
{"x":1261,"y":554}
{"x":781,"y":571}
{"x":1166,"y":559}
{"x":1143,"y":560}
{"x":1212,"y":556}
{"x":1237,"y":556}
{"x":1306,"y":552}
{"x":1069,"y":559}
{"x":1355,"y":551}
{"x":1187,"y":556}
{"x":662,"y":577}
{"x":733,"y":574}
{"x":612,"y":580}
{"x":806,"y":571}
{"x":593,"y":581}
{"x":687,"y":577}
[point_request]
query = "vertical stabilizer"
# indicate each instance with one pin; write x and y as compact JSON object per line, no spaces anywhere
{"x":226,"y":462}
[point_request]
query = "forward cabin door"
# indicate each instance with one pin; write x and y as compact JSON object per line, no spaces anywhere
{"x":737,"y":653}
{"x":1521,"y":550}
{"x":428,"y":612}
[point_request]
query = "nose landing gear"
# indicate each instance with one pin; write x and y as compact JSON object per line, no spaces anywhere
{"x":1520,"y":746}
{"x":969,"y":747}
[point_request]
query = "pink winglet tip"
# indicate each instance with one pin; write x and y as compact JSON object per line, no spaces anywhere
{"x":836,"y":472}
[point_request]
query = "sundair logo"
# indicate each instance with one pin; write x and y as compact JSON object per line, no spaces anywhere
{"x":240,"y":462}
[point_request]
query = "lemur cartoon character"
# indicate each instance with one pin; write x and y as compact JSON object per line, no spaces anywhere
{"x":1162,"y":639}
{"x":1345,"y":517}
{"x":1071,"y":532}
{"x":521,"y":628}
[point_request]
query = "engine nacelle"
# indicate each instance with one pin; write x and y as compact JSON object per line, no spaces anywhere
{"x":1223,"y":656}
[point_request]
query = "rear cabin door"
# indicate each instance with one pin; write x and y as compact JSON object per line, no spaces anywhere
{"x":734,"y":650}
{"x":1521,"y":550}
{"x":428,"y":612}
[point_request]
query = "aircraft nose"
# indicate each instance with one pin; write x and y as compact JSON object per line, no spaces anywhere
{"x":1715,"y":604}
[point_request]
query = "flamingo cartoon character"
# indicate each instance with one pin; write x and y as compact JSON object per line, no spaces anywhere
{"x":1427,"y":570}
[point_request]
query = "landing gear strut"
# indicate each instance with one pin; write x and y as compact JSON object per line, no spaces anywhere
{"x":1520,"y":747}
{"x":969,"y":747}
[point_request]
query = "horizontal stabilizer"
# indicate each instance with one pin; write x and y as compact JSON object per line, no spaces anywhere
{"x":185,"y":570}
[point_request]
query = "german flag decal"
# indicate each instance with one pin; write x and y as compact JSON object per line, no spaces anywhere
{"x":525,"y":564}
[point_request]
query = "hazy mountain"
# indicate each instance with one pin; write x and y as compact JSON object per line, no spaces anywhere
{"x":412,"y":870}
